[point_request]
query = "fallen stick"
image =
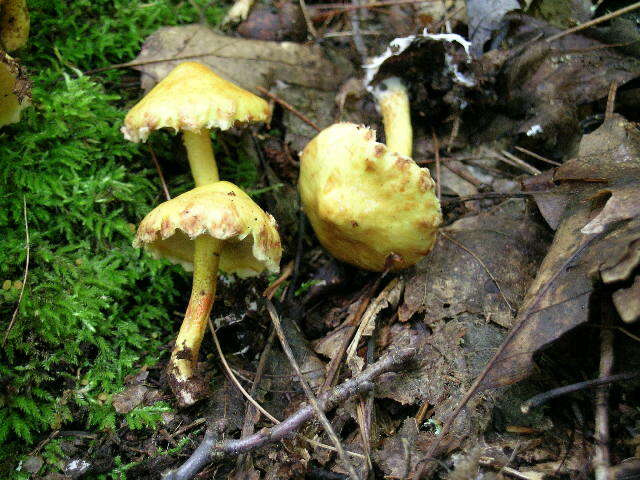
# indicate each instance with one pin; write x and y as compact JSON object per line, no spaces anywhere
{"x":212,"y":449}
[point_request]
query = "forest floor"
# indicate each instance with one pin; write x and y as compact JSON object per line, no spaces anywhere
{"x":446,"y":369}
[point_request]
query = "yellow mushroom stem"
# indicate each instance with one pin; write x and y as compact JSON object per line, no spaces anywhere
{"x":205,"y":274}
{"x":201,"y":158}
{"x":393,"y":102}
{"x":184,"y":357}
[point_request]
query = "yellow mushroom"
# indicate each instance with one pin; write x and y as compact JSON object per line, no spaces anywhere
{"x":368,"y":205}
{"x":182,"y":230}
{"x":192,"y":99}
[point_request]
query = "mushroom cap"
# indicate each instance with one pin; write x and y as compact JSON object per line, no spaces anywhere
{"x":15,"y":90}
{"x":250,"y":240}
{"x":193,"y":98}
{"x":367,"y":205}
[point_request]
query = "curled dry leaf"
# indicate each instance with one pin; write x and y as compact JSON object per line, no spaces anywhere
{"x":607,"y":166}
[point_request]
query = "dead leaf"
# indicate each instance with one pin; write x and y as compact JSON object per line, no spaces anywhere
{"x":627,"y":301}
{"x":545,"y":82}
{"x":248,"y":63}
{"x":510,"y":243}
{"x":558,"y":300}
{"x":484,"y":16}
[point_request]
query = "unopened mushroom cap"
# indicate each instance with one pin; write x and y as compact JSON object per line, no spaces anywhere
{"x":15,"y":90}
{"x":193,"y":98}
{"x":367,"y":205}
{"x":222,"y":210}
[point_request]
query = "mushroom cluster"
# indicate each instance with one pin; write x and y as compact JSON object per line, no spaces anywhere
{"x":215,"y":226}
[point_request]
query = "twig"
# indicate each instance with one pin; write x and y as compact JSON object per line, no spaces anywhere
{"x":234,"y":379}
{"x":595,"y":21}
{"x":485,"y":195}
{"x":26,"y":272}
{"x":355,"y":27}
{"x":307,"y":19}
{"x":302,"y":219}
{"x":165,"y":189}
{"x":270,"y":291}
{"x":611,"y":100}
{"x":250,"y":411}
{"x":289,"y":107}
{"x":246,"y":394}
{"x":538,"y":157}
{"x":518,"y":162}
{"x":211,"y":449}
{"x":484,"y":266}
{"x":275,"y":319}
{"x":602,"y":459}
{"x":541,"y":398}
{"x":340,"y":7}
{"x":436,"y":148}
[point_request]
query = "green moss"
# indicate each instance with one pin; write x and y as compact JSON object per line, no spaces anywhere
{"x":94,"y":308}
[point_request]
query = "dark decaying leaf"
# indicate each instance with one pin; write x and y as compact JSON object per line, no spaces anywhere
{"x":608,"y":166}
{"x":510,"y":243}
{"x":484,"y":17}
{"x":541,"y":84}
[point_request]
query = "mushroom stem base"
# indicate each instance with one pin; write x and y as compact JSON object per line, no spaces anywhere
{"x":185,"y":385}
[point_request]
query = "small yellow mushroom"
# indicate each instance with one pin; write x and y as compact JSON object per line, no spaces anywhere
{"x":183,"y":230}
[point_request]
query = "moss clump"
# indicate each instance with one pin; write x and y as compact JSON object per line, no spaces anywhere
{"x":93,"y":307}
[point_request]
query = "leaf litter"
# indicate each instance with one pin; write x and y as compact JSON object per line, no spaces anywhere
{"x":506,"y":280}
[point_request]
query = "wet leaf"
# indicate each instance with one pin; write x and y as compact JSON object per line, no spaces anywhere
{"x":608,"y":166}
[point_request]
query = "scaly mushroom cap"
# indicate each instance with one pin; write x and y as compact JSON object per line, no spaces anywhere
{"x":365,"y":203}
{"x":193,"y":98}
{"x":222,"y":210}
{"x":15,"y":90}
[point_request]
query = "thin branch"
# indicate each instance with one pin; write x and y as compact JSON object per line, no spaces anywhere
{"x":270,"y":291}
{"x":538,"y":157}
{"x":307,"y":19}
{"x":602,"y":458}
{"x":234,"y":379}
{"x":26,"y":272}
{"x":341,"y":7}
{"x":595,"y":21}
{"x":436,"y":148}
{"x":275,"y":319}
{"x":541,"y":398}
{"x":289,"y":107}
{"x":212,"y":449}
{"x":165,"y":189}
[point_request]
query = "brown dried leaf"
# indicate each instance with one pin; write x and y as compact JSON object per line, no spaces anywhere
{"x":249,"y":63}
{"x":450,"y":281}
{"x":558,"y":300}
